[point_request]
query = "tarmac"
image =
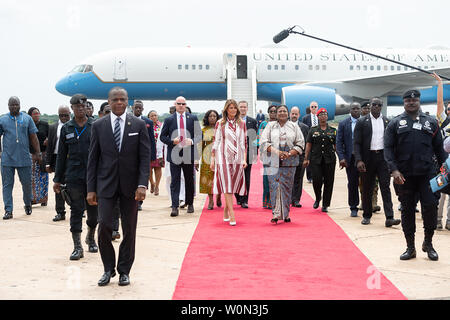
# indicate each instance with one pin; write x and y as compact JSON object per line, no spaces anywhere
{"x":35,"y":251}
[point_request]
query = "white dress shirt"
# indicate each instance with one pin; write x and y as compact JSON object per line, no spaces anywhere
{"x":377,"y":142}
{"x":314,"y":120}
{"x":187,"y":140}
{"x":123,"y":118}
{"x":58,"y":131}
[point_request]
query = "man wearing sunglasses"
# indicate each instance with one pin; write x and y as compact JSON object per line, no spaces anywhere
{"x":181,"y":132}
{"x":311,"y":120}
{"x":52,"y":152}
{"x":368,"y":149}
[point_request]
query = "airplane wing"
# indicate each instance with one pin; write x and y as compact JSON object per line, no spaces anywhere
{"x":384,"y":85}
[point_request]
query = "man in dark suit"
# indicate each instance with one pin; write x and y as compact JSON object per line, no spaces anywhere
{"x":368,"y":148}
{"x":118,"y":168}
{"x":260,"y":117}
{"x":138,"y":109}
{"x":297,"y":188}
{"x":252,"y":153}
{"x":181,"y":132}
{"x":344,"y":148}
{"x":50,"y":157}
{"x":311,"y":119}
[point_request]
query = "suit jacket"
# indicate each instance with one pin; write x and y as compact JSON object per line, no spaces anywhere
{"x":50,"y":157}
{"x":169,"y":132}
{"x":362,"y":136}
{"x":344,"y":140}
{"x":252,"y":130}
{"x":307,"y":120}
{"x":110,"y":171}
{"x":305,"y":130}
{"x":151,"y":135}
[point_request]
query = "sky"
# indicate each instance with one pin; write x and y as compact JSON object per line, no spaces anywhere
{"x":43,"y":40}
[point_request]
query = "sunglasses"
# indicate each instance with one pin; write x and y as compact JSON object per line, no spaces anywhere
{"x":64,"y":115}
{"x":377,"y":104}
{"x":181,"y":103}
{"x":314,"y":107}
{"x":273,"y":111}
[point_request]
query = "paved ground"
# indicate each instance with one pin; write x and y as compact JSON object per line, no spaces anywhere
{"x":35,"y":253}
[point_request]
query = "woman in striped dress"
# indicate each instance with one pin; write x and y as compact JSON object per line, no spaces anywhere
{"x":228,"y":157}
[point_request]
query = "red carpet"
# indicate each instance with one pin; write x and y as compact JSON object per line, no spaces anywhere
{"x":309,"y":258}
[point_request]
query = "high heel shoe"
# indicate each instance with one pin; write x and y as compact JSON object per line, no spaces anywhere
{"x":274,"y":220}
{"x":232,"y":223}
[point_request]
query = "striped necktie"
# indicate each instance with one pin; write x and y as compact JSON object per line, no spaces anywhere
{"x":117,"y":133}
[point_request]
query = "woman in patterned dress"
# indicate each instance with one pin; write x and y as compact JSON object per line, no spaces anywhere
{"x":228,"y":157}
{"x":272,"y":111}
{"x":156,"y":165}
{"x":39,"y":176}
{"x":206,"y":174}
{"x":281,"y":143}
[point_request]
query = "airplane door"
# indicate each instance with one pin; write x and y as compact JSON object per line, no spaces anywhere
{"x":241,"y":67}
{"x":120,"y":70}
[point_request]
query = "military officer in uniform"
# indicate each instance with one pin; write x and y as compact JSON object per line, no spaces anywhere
{"x":71,"y":165}
{"x":411,"y":140}
{"x":321,"y":155}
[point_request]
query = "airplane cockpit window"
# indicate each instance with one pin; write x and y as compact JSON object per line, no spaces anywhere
{"x":82,"y":68}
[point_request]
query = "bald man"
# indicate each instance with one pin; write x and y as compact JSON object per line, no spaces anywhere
{"x":50,"y":157}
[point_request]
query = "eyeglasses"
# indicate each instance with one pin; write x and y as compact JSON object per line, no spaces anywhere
{"x":377,"y":104}
{"x":273,"y":111}
{"x":64,"y":115}
{"x":314,"y":107}
{"x":181,"y":103}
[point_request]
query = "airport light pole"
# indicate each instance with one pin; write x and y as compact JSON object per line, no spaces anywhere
{"x":285,"y":33}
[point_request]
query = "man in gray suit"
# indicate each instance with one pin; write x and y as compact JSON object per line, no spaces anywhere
{"x":118,"y":168}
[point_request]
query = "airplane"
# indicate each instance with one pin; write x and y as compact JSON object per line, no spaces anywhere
{"x":334,"y":77}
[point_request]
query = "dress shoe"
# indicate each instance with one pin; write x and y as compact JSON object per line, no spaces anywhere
{"x":124,"y":279}
{"x":274,"y":220}
{"x":410,"y":253}
{"x":354,"y":213}
{"x":152,"y":188}
{"x":296,"y":204}
{"x":400,"y":207}
{"x":287,"y":219}
{"x":439,"y":225}
{"x":447,"y":225}
{"x":238,"y":202}
{"x":376,"y":209}
{"x":316,"y":204}
{"x":365,"y":221}
{"x":244,"y":205}
{"x":218,"y":201}
{"x":59,"y":217}
{"x":43,"y":204}
{"x":210,"y":206}
{"x":182,"y":204}
{"x":139,"y":207}
{"x":115,"y":235}
{"x":324,"y":209}
{"x":106,"y":277}
{"x":190,"y":208}
{"x":174,"y":212}
{"x":428,"y":248}
{"x":392,"y":222}
{"x":8,"y":215}
{"x":28,"y":210}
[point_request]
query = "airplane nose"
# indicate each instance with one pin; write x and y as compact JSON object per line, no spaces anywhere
{"x":62,"y":85}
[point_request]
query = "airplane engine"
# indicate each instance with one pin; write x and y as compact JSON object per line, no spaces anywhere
{"x":301,"y":96}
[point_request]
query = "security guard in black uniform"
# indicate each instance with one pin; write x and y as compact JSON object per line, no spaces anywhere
{"x":71,"y":164}
{"x":410,"y":142}
{"x":321,"y":154}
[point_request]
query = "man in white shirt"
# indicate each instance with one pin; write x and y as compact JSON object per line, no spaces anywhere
{"x":368,"y":150}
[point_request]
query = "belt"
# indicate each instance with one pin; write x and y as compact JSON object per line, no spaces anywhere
{"x":377,"y":151}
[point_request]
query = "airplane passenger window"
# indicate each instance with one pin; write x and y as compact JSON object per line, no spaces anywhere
{"x":351,"y":67}
{"x":358,"y":68}
{"x":392,"y":68}
{"x":317,"y":67}
{"x":372,"y":68}
{"x":269,"y":67}
{"x":180,"y":67}
{"x":385,"y":68}
{"x":283,"y":67}
{"x":324,"y":67}
{"x":365,"y":67}
{"x":296,"y":67}
{"x":186,"y":66}
{"x":200,"y":67}
{"x":207,"y":67}
{"x":399,"y":68}
{"x":378,"y":68}
{"x":275,"y":67}
{"x":425,"y":67}
{"x":193,"y":67}
{"x":310,"y":67}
